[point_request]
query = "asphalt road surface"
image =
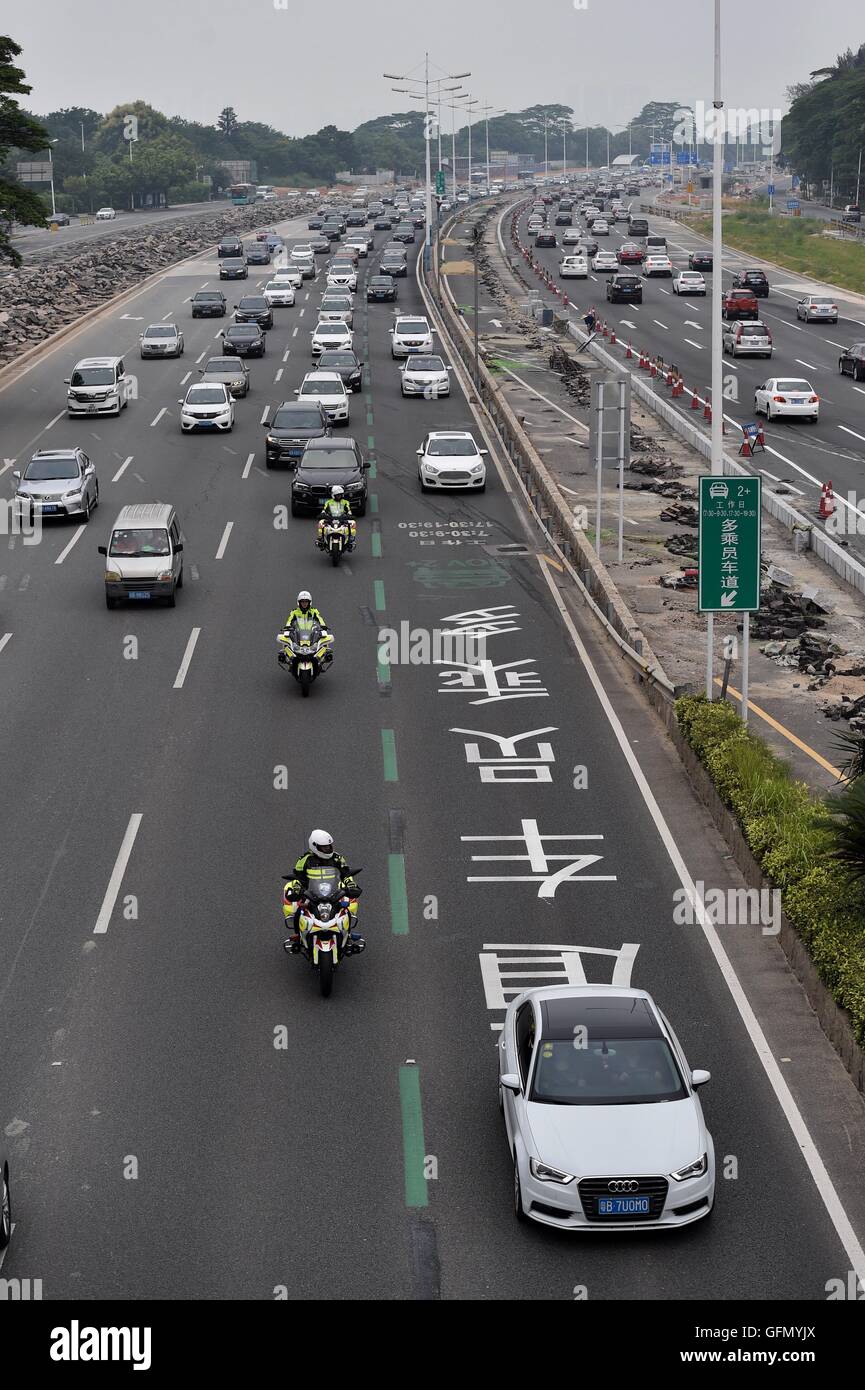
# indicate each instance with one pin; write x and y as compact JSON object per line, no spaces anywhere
{"x":35,"y":243}
{"x":187,"y":1118}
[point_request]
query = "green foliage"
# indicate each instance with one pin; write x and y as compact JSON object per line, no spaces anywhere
{"x":18,"y":132}
{"x":816,"y":859}
{"x":822,"y":131}
{"x":794,"y":242}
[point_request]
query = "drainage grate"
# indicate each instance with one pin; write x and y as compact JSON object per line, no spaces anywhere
{"x":507,"y":549}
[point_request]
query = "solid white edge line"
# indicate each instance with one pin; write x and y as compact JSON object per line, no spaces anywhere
{"x":66,"y":549}
{"x":187,"y":658}
{"x":229,"y":527}
{"x":793,"y":1115}
{"x":105,"y":911}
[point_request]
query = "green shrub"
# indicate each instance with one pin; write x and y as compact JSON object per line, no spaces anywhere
{"x":816,"y":859}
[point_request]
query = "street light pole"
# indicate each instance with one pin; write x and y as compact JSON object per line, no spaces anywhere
{"x":546,"y":154}
{"x":717,"y":286}
{"x":564,"y":148}
{"x":51,"y":173}
{"x":858,"y":176}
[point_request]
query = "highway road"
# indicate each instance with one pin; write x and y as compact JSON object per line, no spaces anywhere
{"x":187,"y":1118}
{"x":37,"y":243}
{"x":678,"y":329}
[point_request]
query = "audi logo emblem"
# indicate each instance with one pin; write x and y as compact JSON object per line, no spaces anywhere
{"x":623,"y":1185}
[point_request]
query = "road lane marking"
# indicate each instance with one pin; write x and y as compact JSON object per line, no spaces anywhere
{"x":248,"y":465}
{"x":784,"y":732}
{"x":388,"y":753}
{"x":698,"y":346}
{"x":294,"y":331}
{"x":187,"y":658}
{"x":185,"y":379}
{"x":116,"y":879}
{"x":158,"y":417}
{"x":264,"y":414}
{"x":123,"y":467}
{"x":278,"y":376}
{"x":200,"y":359}
{"x":853,"y":432}
{"x":834,"y":344}
{"x":66,"y":549}
{"x":787,"y":1104}
{"x":413,"y":1144}
{"x":378,"y":591}
{"x":285,"y":355}
{"x":398,"y":894}
{"x":229,"y":527}
{"x":663,"y":325}
{"x":4,"y":640}
{"x":806,"y":364}
{"x":52,"y":423}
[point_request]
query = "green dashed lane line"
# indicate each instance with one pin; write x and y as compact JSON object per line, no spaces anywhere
{"x":383,"y":672}
{"x":388,"y":752}
{"x":369,"y":417}
{"x":412,"y":1137}
{"x":398,"y":894}
{"x":378,"y":590}
{"x":370,"y":441}
{"x":373,"y":469}
{"x":376,"y":545}
{"x":373,"y":502}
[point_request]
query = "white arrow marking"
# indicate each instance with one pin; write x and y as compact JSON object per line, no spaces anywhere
{"x":728,"y":599}
{"x":497,"y":323}
{"x":626,"y":323}
{"x":691,"y":323}
{"x":133,"y":318}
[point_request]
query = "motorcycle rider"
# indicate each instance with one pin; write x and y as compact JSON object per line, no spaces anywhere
{"x":306,"y":610}
{"x":321,"y":854}
{"x":338,"y":508}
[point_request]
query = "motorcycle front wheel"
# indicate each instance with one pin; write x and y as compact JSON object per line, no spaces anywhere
{"x":325,"y":974}
{"x":335,"y":555}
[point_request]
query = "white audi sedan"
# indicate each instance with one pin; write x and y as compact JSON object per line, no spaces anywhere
{"x":451,"y":458}
{"x":105,"y":215}
{"x":657,"y":265}
{"x":603,"y":1121}
{"x":787,"y":396}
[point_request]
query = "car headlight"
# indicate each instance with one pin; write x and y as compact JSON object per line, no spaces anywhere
{"x":355,"y":487}
{"x":547,"y":1174}
{"x":693,"y":1170}
{"x":113,"y":576}
{"x":238,"y":381}
{"x":478,"y":468}
{"x":165,"y":577}
{"x":431,"y":468}
{"x":272,"y":441}
{"x":70,"y":496}
{"x":301,"y":487}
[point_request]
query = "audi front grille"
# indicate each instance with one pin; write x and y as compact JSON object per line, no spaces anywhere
{"x":590,"y":1189}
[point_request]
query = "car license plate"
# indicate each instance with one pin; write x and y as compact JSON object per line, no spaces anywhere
{"x":138,"y":593}
{"x":797,"y":400}
{"x":92,"y":410}
{"x":48,"y":507}
{"x":623,"y":1206}
{"x":295,"y":453}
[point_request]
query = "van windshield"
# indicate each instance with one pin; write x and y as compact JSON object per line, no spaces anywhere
{"x":93,"y":376}
{"x":139,"y":543}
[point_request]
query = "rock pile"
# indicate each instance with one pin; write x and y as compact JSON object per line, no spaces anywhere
{"x":784,"y":613}
{"x":38,"y":299}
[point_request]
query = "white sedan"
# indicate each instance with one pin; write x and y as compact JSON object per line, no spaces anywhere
{"x":817,"y":308}
{"x":605,"y":260}
{"x":603,"y":1121}
{"x":105,"y":215}
{"x":328,"y":388}
{"x":207,"y":406}
{"x":279,"y":292}
{"x":689,"y":282}
{"x":451,"y":458}
{"x":289,"y":275}
{"x":793,"y":396}
{"x":600,"y":227}
{"x":574,"y":268}
{"x":336,"y":335}
{"x":657,"y":265}
{"x":342,"y":278}
{"x":425,"y":376}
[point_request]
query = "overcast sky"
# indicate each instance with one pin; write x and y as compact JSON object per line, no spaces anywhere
{"x":301,"y":64}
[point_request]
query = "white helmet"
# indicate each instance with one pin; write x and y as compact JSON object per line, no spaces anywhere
{"x":337,"y":491}
{"x":304,"y":595}
{"x":321,"y":843}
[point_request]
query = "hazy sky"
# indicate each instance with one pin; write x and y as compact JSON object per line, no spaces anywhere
{"x":298,"y":65}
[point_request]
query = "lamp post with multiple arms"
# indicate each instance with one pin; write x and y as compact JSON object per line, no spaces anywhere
{"x":424,"y":96}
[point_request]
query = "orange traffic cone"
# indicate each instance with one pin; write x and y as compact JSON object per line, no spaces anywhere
{"x":629,"y":355}
{"x":695,"y":401}
{"x":827,"y":502}
{"x":612,"y":335}
{"x":707,"y":412}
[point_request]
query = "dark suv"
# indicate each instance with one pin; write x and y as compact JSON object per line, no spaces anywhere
{"x":625,"y":289}
{"x":293,"y":425}
{"x":208,"y":304}
{"x":257,"y":253}
{"x":231,"y":246}
{"x":753,"y":280}
{"x":325,"y":462}
{"x":244,"y":340}
{"x":254,"y":308}
{"x":852,"y":362}
{"x":233,"y":268}
{"x":381,"y":288}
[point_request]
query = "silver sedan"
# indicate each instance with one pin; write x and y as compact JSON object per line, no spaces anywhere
{"x":161,"y":340}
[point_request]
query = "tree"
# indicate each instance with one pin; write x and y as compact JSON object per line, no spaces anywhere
{"x":17,"y":131}
{"x":228,"y":121}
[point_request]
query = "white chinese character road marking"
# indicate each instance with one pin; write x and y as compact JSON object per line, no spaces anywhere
{"x":539,"y":860}
{"x":508,"y":968}
{"x":512,"y":766}
{"x":515,"y":683}
{"x":489,"y":621}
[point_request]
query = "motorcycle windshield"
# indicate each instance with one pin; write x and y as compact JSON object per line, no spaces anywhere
{"x":325,"y":885}
{"x":304,"y":634}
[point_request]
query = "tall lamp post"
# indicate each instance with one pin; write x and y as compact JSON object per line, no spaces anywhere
{"x":424,"y":95}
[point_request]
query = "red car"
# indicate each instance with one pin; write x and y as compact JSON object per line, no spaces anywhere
{"x":739,"y":304}
{"x":629,"y":253}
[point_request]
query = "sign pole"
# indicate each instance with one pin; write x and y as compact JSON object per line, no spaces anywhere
{"x":719,"y":133}
{"x":710,"y":645}
{"x":622,"y":390}
{"x":600,"y":457}
{"x":746,"y":642}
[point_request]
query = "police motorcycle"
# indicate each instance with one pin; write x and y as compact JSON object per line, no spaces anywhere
{"x":325,"y":915}
{"x":305,"y":651}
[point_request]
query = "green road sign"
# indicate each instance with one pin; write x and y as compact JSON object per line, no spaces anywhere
{"x":729,"y":548}
{"x":440,"y":181}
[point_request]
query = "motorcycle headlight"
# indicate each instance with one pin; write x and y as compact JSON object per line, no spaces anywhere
{"x":547,"y":1174}
{"x":238,"y":381}
{"x":325,"y":910}
{"x":693,"y":1170}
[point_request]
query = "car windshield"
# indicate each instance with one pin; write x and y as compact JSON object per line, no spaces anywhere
{"x":606,"y":1071}
{"x":331,"y":330}
{"x":202,"y":294}
{"x":627,"y":281}
{"x":157,"y":331}
{"x":288,"y":419}
{"x":146,"y":541}
{"x":219,"y":366}
{"x":332,"y":387}
{"x":338,"y":359}
{"x":40,"y":470}
{"x":794,"y":384}
{"x":412,"y":326}
{"x":343,"y":459}
{"x":451,"y":448}
{"x":753,"y":329}
{"x":254,"y":301}
{"x":381,"y":281}
{"x":93,"y":376}
{"x":425,"y":364}
{"x":243,"y":330}
{"x":820,"y":300}
{"x":274,"y":285}
{"x":205,"y":395}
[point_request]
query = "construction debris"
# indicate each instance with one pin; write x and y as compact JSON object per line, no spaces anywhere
{"x":681,"y":544}
{"x":679,"y":579}
{"x":656,"y":467}
{"x":682,"y":513}
{"x":784,"y":613}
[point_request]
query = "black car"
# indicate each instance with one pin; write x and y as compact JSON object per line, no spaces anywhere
{"x":258,"y":253}
{"x":418,"y":217}
{"x":754,"y":280}
{"x":331,"y":230}
{"x":244,"y":340}
{"x":624,"y":289}
{"x":60,"y":219}
{"x":208,"y":304}
{"x":293,"y":425}
{"x":700,"y":260}
{"x":356,"y":219}
{"x":852,"y":362}
{"x":393,"y":265}
{"x":546,"y":238}
{"x":254,"y":308}
{"x":588,"y":245}
{"x":405,"y":232}
{"x":233,"y":268}
{"x":324,"y":463}
{"x":314,"y":224}
{"x":382,"y":224}
{"x":638,"y":227}
{"x":564,"y":219}
{"x":319,"y":244}
{"x":345,"y":363}
{"x":231,"y":246}
{"x":381,"y":288}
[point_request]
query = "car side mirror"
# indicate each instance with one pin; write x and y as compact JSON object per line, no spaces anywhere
{"x":418,"y":452}
{"x":699,"y":1078}
{"x":180,"y":402}
{"x":102,"y":549}
{"x":511,"y":1082}
{"x":265,"y":424}
{"x":366,"y":463}
{"x":67,"y":381}
{"x":16,"y":473}
{"x":483,"y":451}
{"x":178,"y":546}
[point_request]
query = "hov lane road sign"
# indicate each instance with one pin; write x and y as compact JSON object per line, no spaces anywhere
{"x":729,"y":545}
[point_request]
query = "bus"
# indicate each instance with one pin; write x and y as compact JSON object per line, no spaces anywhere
{"x":242,"y":193}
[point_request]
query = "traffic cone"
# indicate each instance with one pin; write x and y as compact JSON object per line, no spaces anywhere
{"x":695,"y":401}
{"x":604,"y":328}
{"x":707,"y":412}
{"x":612,"y":335}
{"x":827,"y":502}
{"x":629,"y":355}
{"x":565,"y":301}
{"x":668,"y":379}
{"x":654,"y":369}
{"x":745,"y":449}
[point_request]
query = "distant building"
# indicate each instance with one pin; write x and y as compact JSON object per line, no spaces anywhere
{"x":240,"y":170}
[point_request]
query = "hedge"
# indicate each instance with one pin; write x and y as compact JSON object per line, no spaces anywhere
{"x":787,"y":831}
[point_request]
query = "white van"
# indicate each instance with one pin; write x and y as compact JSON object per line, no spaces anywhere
{"x":98,"y":386}
{"x":143,"y":558}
